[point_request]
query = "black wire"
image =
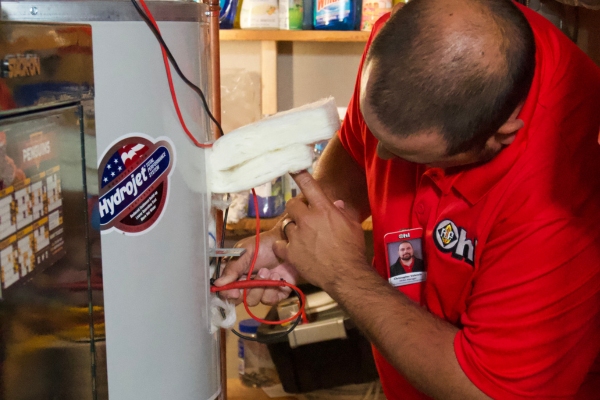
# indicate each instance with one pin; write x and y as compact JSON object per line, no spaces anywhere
{"x":275,"y":337}
{"x":175,"y":65}
{"x":272,"y":338}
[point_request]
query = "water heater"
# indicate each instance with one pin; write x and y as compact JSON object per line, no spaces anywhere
{"x":144,"y":226}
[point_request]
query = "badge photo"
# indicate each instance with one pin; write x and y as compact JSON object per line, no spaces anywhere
{"x":404,"y":257}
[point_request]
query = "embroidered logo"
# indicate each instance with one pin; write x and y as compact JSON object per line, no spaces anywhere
{"x":452,"y":239}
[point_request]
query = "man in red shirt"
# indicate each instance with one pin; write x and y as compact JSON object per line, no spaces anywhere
{"x":477,"y":122}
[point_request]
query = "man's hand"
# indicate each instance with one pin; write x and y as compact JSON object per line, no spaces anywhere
{"x":323,"y":240}
{"x":267,"y":266}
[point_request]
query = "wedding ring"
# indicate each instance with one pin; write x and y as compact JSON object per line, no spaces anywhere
{"x":285,"y":223}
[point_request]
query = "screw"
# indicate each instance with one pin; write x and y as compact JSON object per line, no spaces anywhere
{"x":33,"y":10}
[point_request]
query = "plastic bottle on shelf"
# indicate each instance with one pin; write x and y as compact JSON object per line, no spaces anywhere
{"x":372,"y":10}
{"x":256,"y":369}
{"x":259,"y":14}
{"x":271,"y":199}
{"x":227,"y":13}
{"x":238,"y":12}
{"x":307,"y":14}
{"x":338,"y":15}
{"x":290,"y":14}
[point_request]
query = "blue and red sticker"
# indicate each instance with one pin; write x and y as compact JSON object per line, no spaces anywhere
{"x":134,"y":183}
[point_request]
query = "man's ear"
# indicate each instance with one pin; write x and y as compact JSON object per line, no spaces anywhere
{"x":506,"y":133}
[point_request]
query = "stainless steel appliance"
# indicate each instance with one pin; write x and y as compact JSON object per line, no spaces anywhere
{"x":51,"y":307}
{"x":131,"y":281}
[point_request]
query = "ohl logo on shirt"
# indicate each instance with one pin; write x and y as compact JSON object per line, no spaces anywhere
{"x":452,"y":239}
{"x":447,"y":234}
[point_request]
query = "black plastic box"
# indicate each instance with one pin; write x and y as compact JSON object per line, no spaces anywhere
{"x":320,"y":365}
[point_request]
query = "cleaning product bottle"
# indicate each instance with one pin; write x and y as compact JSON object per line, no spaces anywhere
{"x":238,"y":12}
{"x":338,"y":15}
{"x":227,"y":13}
{"x":290,"y":14}
{"x":255,"y":367}
{"x":372,"y":10}
{"x":307,"y":14}
{"x":259,"y":14}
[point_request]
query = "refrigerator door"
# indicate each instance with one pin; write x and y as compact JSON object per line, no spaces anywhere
{"x":45,"y":312}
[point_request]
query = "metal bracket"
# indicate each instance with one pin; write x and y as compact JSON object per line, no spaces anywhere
{"x":226,"y":252}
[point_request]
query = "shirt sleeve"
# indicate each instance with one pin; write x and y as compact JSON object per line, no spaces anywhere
{"x":531,"y":329}
{"x":353,"y":131}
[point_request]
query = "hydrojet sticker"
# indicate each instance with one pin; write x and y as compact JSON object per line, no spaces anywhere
{"x":134,"y":183}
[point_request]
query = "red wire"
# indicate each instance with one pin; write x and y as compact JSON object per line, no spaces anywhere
{"x":235,"y":285}
{"x":248,"y":283}
{"x":171,"y":87}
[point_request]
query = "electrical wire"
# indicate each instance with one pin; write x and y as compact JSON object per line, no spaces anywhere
{"x":253,"y":264}
{"x":168,"y":56}
{"x":248,"y":283}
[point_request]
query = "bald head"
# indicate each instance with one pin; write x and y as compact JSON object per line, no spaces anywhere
{"x":455,"y":67}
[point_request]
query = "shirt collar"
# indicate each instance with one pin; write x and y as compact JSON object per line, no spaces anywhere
{"x":475,"y":182}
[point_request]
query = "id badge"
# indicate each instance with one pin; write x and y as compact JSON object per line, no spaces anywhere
{"x":404,"y":257}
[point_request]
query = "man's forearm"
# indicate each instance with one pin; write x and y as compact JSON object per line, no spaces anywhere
{"x":415,"y":342}
{"x":341,"y":178}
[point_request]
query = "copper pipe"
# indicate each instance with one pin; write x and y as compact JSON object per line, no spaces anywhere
{"x":215,"y":99}
{"x":215,"y":60}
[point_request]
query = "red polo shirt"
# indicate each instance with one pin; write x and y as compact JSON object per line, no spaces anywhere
{"x":512,"y":247}
{"x":408,"y":268}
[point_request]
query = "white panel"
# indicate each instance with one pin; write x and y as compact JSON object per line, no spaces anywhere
{"x":156,"y":284}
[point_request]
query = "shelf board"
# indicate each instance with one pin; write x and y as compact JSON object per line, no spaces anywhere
{"x":247,"y":226}
{"x":292,"y":36}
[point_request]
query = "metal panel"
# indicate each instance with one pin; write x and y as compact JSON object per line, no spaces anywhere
{"x":107,"y":10}
{"x":156,"y":285}
{"x":45,"y":309}
{"x":44,"y":65}
{"x":50,"y":319}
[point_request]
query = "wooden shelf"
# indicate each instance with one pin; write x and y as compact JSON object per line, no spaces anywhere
{"x":292,"y":36}
{"x":247,"y":226}
{"x":269,"y":38}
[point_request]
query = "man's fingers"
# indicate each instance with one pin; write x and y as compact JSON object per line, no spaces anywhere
{"x":230,"y":274}
{"x":280,"y":249}
{"x":274,"y":295}
{"x":254,"y":295}
{"x":296,"y":208}
{"x":340,"y":204}
{"x":311,"y":190}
